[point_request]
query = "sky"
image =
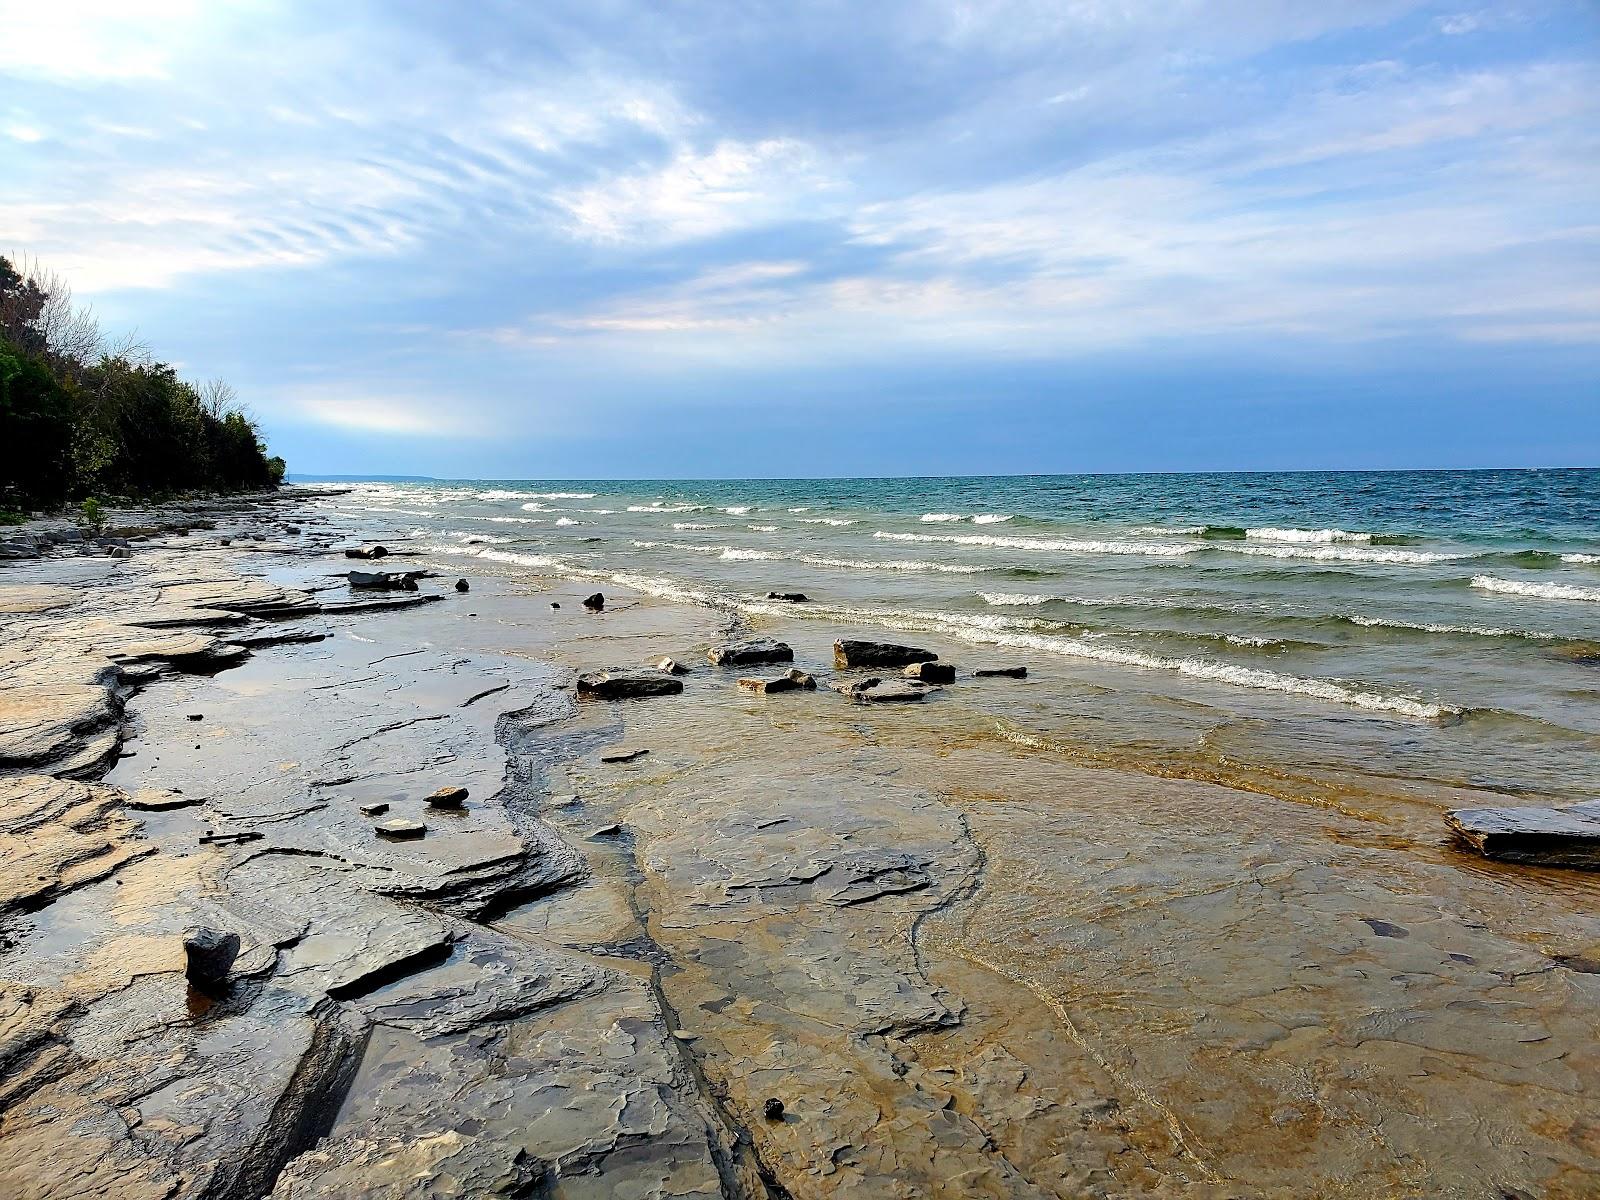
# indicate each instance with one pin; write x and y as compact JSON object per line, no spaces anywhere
{"x":606,"y":239}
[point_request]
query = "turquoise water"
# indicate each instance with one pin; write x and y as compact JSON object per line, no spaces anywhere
{"x":1443,"y":625}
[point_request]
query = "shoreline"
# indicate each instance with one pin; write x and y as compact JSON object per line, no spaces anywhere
{"x":1125,"y":1006}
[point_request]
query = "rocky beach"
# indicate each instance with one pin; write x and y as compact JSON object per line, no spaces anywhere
{"x":323,"y":874}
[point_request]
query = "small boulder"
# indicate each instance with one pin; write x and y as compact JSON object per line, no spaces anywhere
{"x":596,"y":602}
{"x":555,"y":604}
{"x":931,"y":672}
{"x":400,"y":829}
{"x":754,"y":650}
{"x":197,"y":716}
{"x":208,"y":957}
{"x":378,"y":552}
{"x":790,"y":597}
{"x":790,"y":681}
{"x":1001,"y":672}
{"x":626,"y":683}
{"x":1546,"y":837}
{"x":448,"y":797}
{"x":119,"y":552}
{"x":848,"y":652}
{"x":671,"y":666}
{"x":772,"y":1110}
{"x":605,"y":831}
{"x":462,"y":585}
{"x":376,"y":809}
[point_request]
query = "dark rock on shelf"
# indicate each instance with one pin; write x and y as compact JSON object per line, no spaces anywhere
{"x":448,"y":797}
{"x":209,"y":955}
{"x":848,"y":652}
{"x":555,"y":604}
{"x":197,"y":716}
{"x":931,"y":672}
{"x":671,"y":666}
{"x":462,"y":585}
{"x":772,"y":1110}
{"x":999,"y":672}
{"x":406,"y":580}
{"x":626,"y":683}
{"x":790,"y":597}
{"x":376,"y":809}
{"x":1553,"y":837}
{"x":754,"y":650}
{"x":596,"y":602}
{"x":605,"y":831}
{"x":361,"y":552}
{"x":623,"y":756}
{"x":401,"y":829}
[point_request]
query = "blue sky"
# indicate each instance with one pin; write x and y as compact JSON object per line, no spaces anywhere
{"x":614,"y":239}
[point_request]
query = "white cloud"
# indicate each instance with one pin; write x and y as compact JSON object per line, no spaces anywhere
{"x":377,"y":411}
{"x":700,"y":194}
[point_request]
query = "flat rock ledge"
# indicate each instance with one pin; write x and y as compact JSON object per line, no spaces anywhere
{"x":1553,"y":837}
{"x":848,"y":652}
{"x":627,"y":683}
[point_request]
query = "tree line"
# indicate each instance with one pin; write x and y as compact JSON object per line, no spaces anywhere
{"x":82,"y":415}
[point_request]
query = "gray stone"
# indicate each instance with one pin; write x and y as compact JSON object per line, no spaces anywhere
{"x":790,"y":681}
{"x":1554,"y":837}
{"x":209,"y":955}
{"x":400,"y":829}
{"x":1001,"y":672}
{"x":462,"y":585}
{"x":626,"y":683}
{"x":788,"y":597}
{"x":448,"y":797}
{"x":753,"y":650}
{"x":671,"y":666}
{"x":623,"y":756}
{"x":883,"y":691}
{"x":375,"y":809}
{"x":848,"y":652}
{"x":931,"y":672}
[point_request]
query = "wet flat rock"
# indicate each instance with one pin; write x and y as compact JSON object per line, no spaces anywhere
{"x":627,"y":683}
{"x":883,"y":691}
{"x":750,"y":652}
{"x":1556,"y":837}
{"x":850,"y":652}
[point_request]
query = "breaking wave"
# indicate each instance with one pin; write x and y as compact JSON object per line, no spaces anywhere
{"x":1537,"y":591}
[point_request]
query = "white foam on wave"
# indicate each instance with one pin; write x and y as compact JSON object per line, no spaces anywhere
{"x":1171,"y":530}
{"x":1536,"y":591}
{"x":488,"y":539}
{"x":1014,"y":598}
{"x":836,"y":521}
{"x":737,"y":510}
{"x":802,"y":508}
{"x":1434,"y":627}
{"x":937,"y":517}
{"x":1006,"y":631}
{"x":535,"y":506}
{"x":562,"y":495}
{"x":500,"y":495}
{"x":892,"y":564}
{"x":735,"y":554}
{"x":1585,"y":559}
{"x":695,"y":525}
{"x":1270,"y":533}
{"x":991,"y":518}
{"x":659,"y":507}
{"x":1356,"y":554}
{"x":536,"y":561}
{"x":512,"y":520}
{"x":758,"y":528}
{"x":1068,"y":545}
{"x":565,"y":521}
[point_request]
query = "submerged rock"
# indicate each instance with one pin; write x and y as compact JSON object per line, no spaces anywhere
{"x":400,"y":828}
{"x":883,"y":691}
{"x":626,"y":683}
{"x":754,"y":650}
{"x":1006,"y":672}
{"x":362,"y":552}
{"x":931,"y":672}
{"x":789,"y":597}
{"x":1554,"y":837}
{"x":209,"y":955}
{"x":671,"y":666}
{"x":848,"y":652}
